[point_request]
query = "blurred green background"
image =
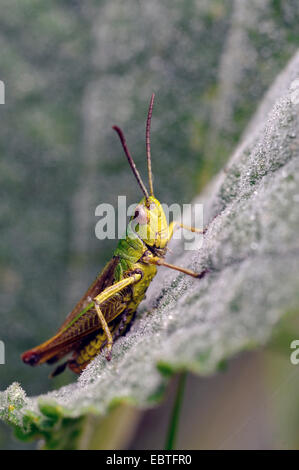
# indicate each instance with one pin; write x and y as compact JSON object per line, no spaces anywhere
{"x":73,"y":69}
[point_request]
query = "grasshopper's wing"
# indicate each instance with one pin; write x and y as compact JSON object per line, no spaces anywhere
{"x":79,"y":324}
{"x":104,"y":280}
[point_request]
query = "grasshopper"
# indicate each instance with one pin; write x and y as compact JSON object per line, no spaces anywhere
{"x":107,"y":309}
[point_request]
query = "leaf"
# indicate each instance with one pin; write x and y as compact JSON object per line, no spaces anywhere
{"x":251,"y":249}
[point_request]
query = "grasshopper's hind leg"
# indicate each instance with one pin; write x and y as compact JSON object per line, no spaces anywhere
{"x":106,"y":295}
{"x":106,"y":329}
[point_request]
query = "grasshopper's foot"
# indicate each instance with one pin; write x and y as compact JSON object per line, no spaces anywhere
{"x":109,"y":351}
{"x":108,"y":356}
{"x":202,"y":274}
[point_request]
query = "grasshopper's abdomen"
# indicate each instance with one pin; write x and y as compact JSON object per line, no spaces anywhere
{"x":131,"y":298}
{"x":92,"y":348}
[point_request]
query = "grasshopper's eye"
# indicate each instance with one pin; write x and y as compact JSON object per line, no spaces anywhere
{"x":140,"y":215}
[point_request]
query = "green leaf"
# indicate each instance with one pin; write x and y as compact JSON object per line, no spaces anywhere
{"x":251,"y":251}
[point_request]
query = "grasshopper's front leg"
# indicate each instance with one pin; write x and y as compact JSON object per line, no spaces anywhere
{"x":174,"y":225}
{"x":107,"y":294}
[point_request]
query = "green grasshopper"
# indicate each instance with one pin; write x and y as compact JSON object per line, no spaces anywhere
{"x":107,"y":309}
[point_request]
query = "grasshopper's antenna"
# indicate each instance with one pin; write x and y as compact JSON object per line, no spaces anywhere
{"x":148,"y":145}
{"x":130,"y":160}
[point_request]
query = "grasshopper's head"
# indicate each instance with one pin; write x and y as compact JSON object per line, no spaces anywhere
{"x":149,"y":221}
